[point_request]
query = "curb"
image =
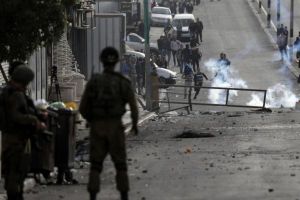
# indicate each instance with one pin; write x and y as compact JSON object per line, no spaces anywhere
{"x":267,"y":31}
{"x":263,"y":24}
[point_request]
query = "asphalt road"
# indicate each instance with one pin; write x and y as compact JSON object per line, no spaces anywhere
{"x":231,"y":27}
{"x":285,"y":9}
{"x":253,"y":156}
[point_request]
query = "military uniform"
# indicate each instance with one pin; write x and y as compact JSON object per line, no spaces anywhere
{"x":16,"y":146}
{"x":104,"y":114}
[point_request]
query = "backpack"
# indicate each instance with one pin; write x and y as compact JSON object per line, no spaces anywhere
{"x":187,"y":70}
{"x":107,"y":98}
{"x":198,"y":78}
{"x":4,"y":92}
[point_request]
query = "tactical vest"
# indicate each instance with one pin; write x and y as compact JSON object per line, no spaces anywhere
{"x":107,"y":97}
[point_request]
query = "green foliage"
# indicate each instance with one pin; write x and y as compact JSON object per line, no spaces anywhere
{"x":26,"y":24}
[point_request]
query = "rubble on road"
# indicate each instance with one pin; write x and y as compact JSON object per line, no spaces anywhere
{"x":194,"y":134}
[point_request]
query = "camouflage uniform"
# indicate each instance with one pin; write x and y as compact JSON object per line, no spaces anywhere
{"x":107,"y":132}
{"x":16,"y":146}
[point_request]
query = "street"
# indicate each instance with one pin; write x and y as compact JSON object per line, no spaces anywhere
{"x":253,"y":154}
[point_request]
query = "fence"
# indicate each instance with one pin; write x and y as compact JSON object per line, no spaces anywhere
{"x":166,"y":97}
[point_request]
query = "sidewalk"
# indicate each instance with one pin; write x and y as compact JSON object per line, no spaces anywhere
{"x":271,"y":33}
{"x":81,"y":172}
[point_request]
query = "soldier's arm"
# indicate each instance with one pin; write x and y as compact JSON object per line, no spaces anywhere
{"x":84,"y":102}
{"x":133,"y":105}
{"x":15,"y":103}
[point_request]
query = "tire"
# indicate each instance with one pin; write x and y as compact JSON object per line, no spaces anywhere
{"x":162,"y":81}
{"x":154,"y":52}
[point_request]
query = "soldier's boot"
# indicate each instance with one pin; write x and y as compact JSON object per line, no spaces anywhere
{"x":124,"y":195}
{"x":12,"y":196}
{"x":93,"y":196}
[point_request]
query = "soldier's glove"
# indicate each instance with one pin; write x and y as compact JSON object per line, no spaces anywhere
{"x":135,"y":130}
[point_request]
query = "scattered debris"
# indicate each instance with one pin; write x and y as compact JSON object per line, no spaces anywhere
{"x":145,"y":171}
{"x":263,"y":110}
{"x":293,"y":174}
{"x":193,"y":134}
{"x":211,"y":165}
{"x":235,"y":115}
{"x":188,"y":150}
{"x":271,"y":190}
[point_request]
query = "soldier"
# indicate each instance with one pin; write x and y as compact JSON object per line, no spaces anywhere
{"x":103,"y":105}
{"x":21,"y":124}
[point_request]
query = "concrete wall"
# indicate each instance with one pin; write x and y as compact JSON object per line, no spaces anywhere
{"x":107,"y":6}
{"x":38,"y":63}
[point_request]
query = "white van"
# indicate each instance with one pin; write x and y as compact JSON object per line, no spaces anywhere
{"x":183,"y":20}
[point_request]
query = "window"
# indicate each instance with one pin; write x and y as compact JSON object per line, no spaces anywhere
{"x":162,"y":11}
{"x":133,"y":38}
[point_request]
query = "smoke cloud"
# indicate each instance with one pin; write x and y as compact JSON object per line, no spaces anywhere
{"x":278,"y":96}
{"x":224,"y":76}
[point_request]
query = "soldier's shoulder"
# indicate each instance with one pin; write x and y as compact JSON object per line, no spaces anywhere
{"x":122,"y":77}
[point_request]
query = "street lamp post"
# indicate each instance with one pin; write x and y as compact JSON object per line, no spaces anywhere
{"x":278,"y":13}
{"x":291,"y":29}
{"x":147,"y":57}
{"x":269,"y":14}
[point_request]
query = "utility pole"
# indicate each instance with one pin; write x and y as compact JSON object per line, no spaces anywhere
{"x":278,"y":13}
{"x":269,"y":14}
{"x":291,"y":30}
{"x":259,"y":6}
{"x":147,"y":57}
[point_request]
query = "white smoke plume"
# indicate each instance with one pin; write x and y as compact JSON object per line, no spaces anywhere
{"x":224,"y":76}
{"x":278,"y":96}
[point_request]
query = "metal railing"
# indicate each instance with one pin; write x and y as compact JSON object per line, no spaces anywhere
{"x":190,"y":103}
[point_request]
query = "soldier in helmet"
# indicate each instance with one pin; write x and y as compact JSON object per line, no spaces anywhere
{"x":102,"y":105}
{"x":21,"y":123}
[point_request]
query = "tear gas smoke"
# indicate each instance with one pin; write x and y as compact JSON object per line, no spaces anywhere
{"x":224,"y":76}
{"x":278,"y":96}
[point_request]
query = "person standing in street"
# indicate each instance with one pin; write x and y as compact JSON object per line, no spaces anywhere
{"x":21,"y":123}
{"x":199,"y":29}
{"x":297,"y":49}
{"x":196,"y":57}
{"x":186,"y":55}
{"x":140,"y":71}
{"x":103,"y":105}
{"x":282,"y":43}
{"x":174,"y":49}
{"x":181,"y":7}
{"x":189,"y":8}
{"x":168,"y":48}
{"x":198,"y":82}
{"x":141,"y":30}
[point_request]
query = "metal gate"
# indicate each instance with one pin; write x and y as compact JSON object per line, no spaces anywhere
{"x":165,"y":97}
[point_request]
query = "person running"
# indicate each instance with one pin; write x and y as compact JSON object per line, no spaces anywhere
{"x":188,"y":77}
{"x":198,"y":82}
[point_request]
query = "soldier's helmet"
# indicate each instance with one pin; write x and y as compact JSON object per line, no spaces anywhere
{"x":109,"y":56}
{"x":23,"y":75}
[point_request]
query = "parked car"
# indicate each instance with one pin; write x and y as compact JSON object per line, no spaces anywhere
{"x":165,"y":76}
{"x":137,"y":43}
{"x":160,"y":16}
{"x":183,"y":21}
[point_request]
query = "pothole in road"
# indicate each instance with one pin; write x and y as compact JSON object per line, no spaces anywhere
{"x":194,"y":134}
